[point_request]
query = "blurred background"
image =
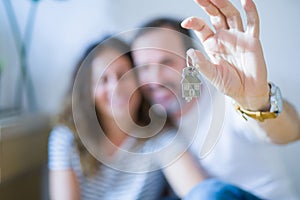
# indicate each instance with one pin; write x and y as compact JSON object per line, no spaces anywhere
{"x":41,"y":41}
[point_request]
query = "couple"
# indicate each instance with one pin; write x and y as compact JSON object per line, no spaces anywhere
{"x":106,"y":117}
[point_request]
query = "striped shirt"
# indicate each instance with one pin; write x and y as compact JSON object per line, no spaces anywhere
{"x":108,"y":183}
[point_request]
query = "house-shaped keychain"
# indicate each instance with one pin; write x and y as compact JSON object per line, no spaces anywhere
{"x":190,"y":83}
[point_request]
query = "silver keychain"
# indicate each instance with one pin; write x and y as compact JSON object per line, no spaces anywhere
{"x":191,"y":81}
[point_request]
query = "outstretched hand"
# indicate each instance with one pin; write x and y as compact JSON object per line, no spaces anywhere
{"x":236,"y":64}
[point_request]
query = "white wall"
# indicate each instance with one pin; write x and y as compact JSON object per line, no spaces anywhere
{"x":64,"y":28}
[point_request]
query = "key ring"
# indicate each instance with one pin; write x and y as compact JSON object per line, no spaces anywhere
{"x":193,"y":61}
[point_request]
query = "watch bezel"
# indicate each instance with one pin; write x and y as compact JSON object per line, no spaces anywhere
{"x":275,"y":99}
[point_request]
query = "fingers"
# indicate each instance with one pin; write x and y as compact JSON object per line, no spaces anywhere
{"x":252,"y":18}
{"x":231,"y":14}
{"x":202,"y":30}
{"x":203,"y":65}
{"x":216,"y":17}
{"x":222,"y":13}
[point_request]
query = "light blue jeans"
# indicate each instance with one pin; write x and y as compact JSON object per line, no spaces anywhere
{"x":213,"y":189}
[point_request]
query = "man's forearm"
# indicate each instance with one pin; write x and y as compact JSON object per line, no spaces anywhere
{"x":285,"y":128}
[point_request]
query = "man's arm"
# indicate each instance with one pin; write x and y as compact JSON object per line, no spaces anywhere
{"x":285,"y":128}
{"x":236,"y":64}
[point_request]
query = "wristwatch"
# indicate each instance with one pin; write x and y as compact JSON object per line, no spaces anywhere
{"x":275,"y":109}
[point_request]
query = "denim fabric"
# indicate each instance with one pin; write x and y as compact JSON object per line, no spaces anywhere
{"x":213,"y":189}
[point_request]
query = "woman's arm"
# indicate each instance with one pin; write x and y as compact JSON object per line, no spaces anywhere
{"x":184,"y":174}
{"x":63,"y":185}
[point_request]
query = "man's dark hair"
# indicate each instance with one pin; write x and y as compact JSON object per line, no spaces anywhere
{"x":166,"y":22}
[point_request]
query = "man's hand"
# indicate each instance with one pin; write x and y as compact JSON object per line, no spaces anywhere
{"x":237,"y":65}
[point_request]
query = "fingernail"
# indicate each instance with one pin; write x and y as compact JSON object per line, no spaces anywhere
{"x":192,"y":55}
{"x":183,"y":23}
{"x":187,"y":22}
{"x":191,"y":52}
{"x":243,"y":2}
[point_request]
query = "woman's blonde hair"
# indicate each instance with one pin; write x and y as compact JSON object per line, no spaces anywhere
{"x":79,"y":97}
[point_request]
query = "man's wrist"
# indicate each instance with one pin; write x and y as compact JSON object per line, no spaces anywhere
{"x":271,"y":109}
{"x":261,"y":103}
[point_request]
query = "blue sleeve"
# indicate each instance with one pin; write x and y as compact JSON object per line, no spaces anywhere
{"x":60,"y":147}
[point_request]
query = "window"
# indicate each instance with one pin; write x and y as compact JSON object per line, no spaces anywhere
{"x":9,"y":102}
{"x":16,"y":91}
{"x":185,"y":86}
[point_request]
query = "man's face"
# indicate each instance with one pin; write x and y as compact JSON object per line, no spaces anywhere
{"x":159,"y":56}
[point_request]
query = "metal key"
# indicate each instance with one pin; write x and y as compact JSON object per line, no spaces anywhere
{"x":190,"y":82}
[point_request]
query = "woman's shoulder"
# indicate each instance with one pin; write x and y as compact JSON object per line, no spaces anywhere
{"x":60,"y":148}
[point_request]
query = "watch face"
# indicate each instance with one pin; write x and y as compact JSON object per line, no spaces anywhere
{"x":275,"y":99}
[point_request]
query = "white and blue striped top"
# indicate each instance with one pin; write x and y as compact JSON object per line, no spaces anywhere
{"x":108,"y":183}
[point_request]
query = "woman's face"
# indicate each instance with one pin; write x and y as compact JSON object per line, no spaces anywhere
{"x":114,"y":89}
